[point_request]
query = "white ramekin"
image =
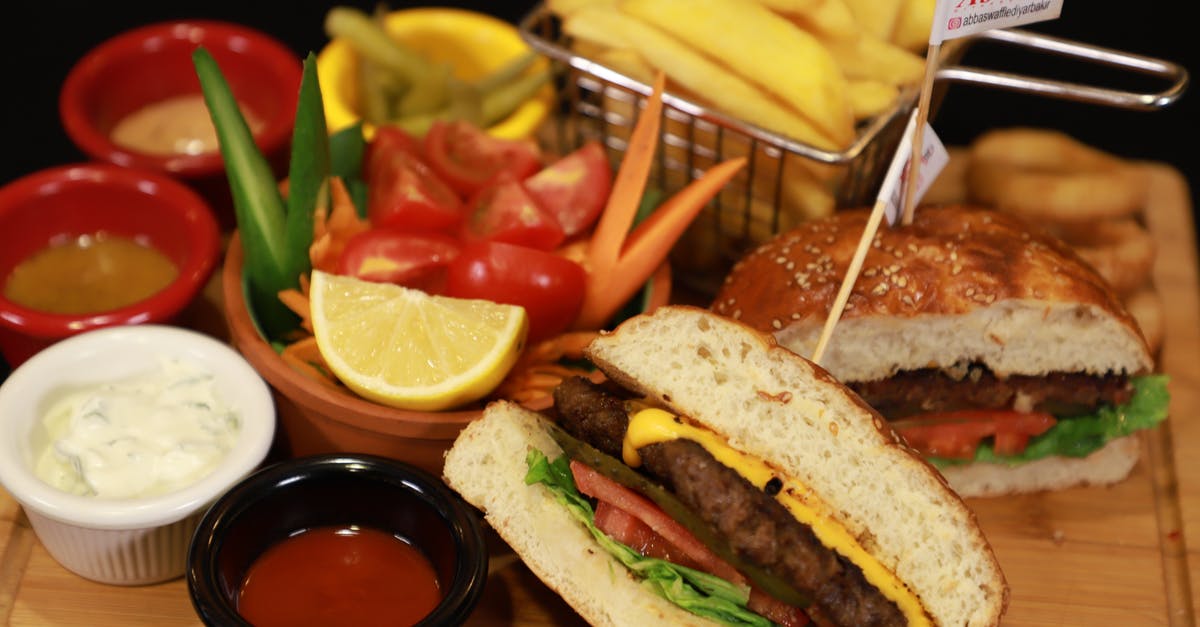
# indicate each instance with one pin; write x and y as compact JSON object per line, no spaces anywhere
{"x":125,"y":541}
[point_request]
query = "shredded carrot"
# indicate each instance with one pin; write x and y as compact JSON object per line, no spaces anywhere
{"x":570,"y":345}
{"x":305,"y":357}
{"x":628,"y":186}
{"x":297,"y":301}
{"x":333,"y":228}
{"x":532,"y":380}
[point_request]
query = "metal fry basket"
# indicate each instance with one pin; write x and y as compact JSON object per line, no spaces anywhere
{"x":785,"y":181}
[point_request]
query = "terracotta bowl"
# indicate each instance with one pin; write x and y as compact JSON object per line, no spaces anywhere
{"x":316,"y":418}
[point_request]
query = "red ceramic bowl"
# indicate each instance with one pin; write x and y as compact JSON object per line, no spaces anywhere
{"x":152,"y":63}
{"x":74,"y":200}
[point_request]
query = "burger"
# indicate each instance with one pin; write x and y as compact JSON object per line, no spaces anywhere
{"x":989,"y":345}
{"x":716,"y":478}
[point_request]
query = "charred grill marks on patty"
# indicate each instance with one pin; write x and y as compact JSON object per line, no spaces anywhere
{"x":933,"y":390}
{"x":757,"y":526}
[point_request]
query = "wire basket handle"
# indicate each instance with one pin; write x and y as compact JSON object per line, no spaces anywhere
{"x":1173,"y":72}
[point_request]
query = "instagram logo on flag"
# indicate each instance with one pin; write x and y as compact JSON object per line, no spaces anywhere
{"x":954,"y":24}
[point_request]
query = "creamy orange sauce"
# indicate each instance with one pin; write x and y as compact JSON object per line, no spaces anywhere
{"x":89,"y":274}
{"x":177,"y":125}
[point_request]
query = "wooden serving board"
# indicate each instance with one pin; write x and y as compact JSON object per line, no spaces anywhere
{"x":1116,"y":555}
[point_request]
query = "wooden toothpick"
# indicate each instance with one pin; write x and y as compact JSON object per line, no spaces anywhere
{"x":914,"y":163}
{"x":852,"y":272}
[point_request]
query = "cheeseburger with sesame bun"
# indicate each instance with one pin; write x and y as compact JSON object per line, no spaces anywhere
{"x":992,"y":348}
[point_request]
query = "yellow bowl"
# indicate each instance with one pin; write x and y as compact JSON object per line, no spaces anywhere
{"x":474,"y":43}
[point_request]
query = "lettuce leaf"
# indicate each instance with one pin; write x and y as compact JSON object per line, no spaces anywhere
{"x":695,"y":591}
{"x":1079,"y":436}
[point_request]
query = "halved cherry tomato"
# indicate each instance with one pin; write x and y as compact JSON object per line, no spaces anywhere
{"x":574,"y":188}
{"x":467,"y":157}
{"x":388,"y":255}
{"x":504,"y":212}
{"x":405,"y":193}
{"x":549,"y":287}
{"x":389,"y":140}
{"x":957,"y":434}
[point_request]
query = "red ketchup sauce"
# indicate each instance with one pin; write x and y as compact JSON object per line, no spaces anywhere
{"x":340,"y":575}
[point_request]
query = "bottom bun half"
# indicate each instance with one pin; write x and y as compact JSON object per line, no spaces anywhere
{"x":1106,"y":466}
{"x":487,"y":467}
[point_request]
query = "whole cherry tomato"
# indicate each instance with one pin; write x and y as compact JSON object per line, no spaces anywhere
{"x":549,"y":286}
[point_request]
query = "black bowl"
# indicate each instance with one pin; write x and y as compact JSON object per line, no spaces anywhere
{"x":336,"y":489}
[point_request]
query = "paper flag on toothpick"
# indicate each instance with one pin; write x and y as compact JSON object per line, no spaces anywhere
{"x":934,"y":158}
{"x":959,"y":18}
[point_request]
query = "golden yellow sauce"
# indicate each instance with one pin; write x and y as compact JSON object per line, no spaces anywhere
{"x":89,"y":274}
{"x":177,"y":125}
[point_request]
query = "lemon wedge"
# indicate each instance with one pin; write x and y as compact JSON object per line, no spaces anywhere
{"x":409,"y":349}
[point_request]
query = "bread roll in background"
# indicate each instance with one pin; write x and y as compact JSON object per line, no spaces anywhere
{"x":962,"y":290}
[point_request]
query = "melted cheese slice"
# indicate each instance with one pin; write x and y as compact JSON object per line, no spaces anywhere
{"x":653,"y":426}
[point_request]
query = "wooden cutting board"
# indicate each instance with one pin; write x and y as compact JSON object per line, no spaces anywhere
{"x":1092,"y":556}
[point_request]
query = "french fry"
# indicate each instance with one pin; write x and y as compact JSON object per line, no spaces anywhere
{"x":599,"y":24}
{"x":752,"y":41}
{"x":913,"y":25}
{"x":869,"y":98}
{"x":623,"y":59}
{"x":563,"y":8}
{"x":693,"y":71}
{"x":876,"y":17}
{"x":626,"y":61}
{"x":807,"y":191}
{"x":831,"y":18}
{"x":871,"y":58}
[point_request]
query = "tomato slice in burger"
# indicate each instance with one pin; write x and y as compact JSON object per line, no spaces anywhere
{"x":574,"y":189}
{"x":503,"y":211}
{"x":403,"y":192}
{"x":388,"y":255}
{"x":467,"y":157}
{"x":548,"y":286}
{"x":958,"y":434}
{"x":638,"y":522}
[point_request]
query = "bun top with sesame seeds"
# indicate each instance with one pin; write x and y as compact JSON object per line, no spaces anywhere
{"x":959,"y":285}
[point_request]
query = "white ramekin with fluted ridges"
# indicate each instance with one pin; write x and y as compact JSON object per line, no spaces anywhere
{"x":130,"y":541}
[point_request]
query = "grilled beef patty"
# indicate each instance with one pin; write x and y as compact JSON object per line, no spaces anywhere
{"x":755,"y":524}
{"x":932,"y":390}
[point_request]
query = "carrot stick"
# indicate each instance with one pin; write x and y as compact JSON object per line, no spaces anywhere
{"x":296,"y":301}
{"x":628,"y":185}
{"x":649,"y":245}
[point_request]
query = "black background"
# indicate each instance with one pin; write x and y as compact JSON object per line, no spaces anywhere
{"x":43,"y":39}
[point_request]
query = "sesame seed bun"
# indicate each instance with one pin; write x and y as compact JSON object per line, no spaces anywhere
{"x":961,"y":284}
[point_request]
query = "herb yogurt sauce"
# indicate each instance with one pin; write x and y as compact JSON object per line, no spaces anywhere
{"x":146,"y":435}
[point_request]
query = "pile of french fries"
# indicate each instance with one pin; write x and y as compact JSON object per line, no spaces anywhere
{"x":808,"y":70}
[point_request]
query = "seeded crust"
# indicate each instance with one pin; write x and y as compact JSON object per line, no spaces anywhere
{"x":960,"y":284}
